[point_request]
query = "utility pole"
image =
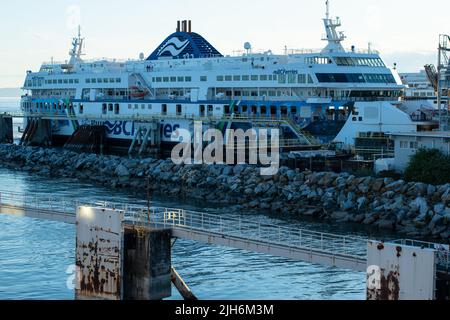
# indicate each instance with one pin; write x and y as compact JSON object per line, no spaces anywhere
{"x":148,"y":200}
{"x":439,"y":91}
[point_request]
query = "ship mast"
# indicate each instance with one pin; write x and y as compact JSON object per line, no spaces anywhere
{"x":77,"y":49}
{"x":333,"y":37}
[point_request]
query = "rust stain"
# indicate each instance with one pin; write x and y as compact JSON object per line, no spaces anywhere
{"x":399,"y":251}
{"x":389,"y":289}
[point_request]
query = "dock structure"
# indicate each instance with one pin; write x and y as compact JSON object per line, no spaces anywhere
{"x":6,"y":128}
{"x":395,"y":260}
{"x":147,"y":133}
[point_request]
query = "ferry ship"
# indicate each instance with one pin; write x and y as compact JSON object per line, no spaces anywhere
{"x":332,"y":94}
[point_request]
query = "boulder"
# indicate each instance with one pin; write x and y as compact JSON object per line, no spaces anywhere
{"x":122,"y":171}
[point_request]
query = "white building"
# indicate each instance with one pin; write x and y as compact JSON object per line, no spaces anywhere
{"x":407,"y":144}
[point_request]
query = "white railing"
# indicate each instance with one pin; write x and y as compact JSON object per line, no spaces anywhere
{"x":352,"y":247}
{"x":349,"y":246}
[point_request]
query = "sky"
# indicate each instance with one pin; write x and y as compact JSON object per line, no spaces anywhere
{"x":404,"y":31}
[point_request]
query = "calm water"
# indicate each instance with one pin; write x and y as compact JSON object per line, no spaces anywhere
{"x":36,"y":256}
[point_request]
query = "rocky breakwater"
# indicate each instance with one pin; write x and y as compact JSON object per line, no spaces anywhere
{"x":415,"y":209}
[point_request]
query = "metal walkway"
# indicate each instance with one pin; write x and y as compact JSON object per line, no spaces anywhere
{"x":292,"y":243}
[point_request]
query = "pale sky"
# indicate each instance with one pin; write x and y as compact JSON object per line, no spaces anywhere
{"x":405,"y":31}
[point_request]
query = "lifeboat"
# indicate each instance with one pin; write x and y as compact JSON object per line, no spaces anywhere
{"x":136,"y":92}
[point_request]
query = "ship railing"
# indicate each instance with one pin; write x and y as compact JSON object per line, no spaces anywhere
{"x":144,"y":117}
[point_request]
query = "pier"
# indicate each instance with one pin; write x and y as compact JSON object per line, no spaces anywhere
{"x":352,"y":253}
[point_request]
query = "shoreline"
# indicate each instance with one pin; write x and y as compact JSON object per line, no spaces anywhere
{"x":415,"y":210}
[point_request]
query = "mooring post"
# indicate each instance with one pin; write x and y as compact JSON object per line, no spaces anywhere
{"x":147,"y":266}
{"x":402,"y":272}
{"x":116,"y":261}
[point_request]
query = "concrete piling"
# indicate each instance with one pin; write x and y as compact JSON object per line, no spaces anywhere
{"x":6,"y":129}
{"x":147,"y":264}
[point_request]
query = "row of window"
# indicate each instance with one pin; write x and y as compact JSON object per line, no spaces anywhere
{"x":175,"y":79}
{"x":359,"y":62}
{"x":409,"y":145}
{"x":318,"y":60}
{"x":355,"y":78}
{"x":103,"y":80}
{"x":40,"y":82}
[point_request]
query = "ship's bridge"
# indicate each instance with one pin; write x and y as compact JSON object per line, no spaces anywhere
{"x":184,"y":44}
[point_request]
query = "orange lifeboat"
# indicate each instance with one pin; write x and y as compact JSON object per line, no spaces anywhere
{"x":137,"y":92}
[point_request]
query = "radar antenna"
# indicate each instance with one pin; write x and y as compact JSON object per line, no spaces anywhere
{"x":333,"y":37}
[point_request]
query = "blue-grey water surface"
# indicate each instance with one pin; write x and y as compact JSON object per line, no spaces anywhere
{"x":36,"y":257}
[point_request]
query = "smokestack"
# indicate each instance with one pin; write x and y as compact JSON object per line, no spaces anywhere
{"x":184,"y":25}
{"x":178,"y":25}
{"x":189,"y":26}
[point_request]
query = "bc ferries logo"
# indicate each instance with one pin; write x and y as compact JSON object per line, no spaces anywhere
{"x":120,"y":128}
{"x":174,"y":46}
{"x":284,"y":71}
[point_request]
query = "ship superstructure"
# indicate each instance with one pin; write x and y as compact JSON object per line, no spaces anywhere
{"x":333,"y":93}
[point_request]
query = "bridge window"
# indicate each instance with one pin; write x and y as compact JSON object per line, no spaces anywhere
{"x":110,"y":107}
{"x":245,"y":78}
{"x":116,"y":108}
{"x":273,"y":111}
{"x":180,"y":79}
{"x":203,"y":78}
{"x":188,"y":79}
{"x":236,"y":78}
{"x":254,"y":77}
{"x":104,"y":108}
{"x":164,"y":109}
{"x":219,"y":78}
{"x":293,"y":110}
{"x":228,"y":78}
{"x":202,"y":110}
{"x":292,"y":78}
{"x":263,"y":110}
{"x":282,"y":78}
{"x":118,"y":80}
{"x":173,"y":79}
{"x":179,"y":109}
{"x":165,"y":79}
{"x":210,"y":110}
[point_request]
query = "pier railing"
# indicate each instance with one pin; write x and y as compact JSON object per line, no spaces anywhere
{"x":333,"y":245}
{"x":353,"y":247}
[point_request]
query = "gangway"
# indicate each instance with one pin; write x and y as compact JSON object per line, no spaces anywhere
{"x":341,"y":251}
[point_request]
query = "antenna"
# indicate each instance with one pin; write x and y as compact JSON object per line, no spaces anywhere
{"x":328,"y":9}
